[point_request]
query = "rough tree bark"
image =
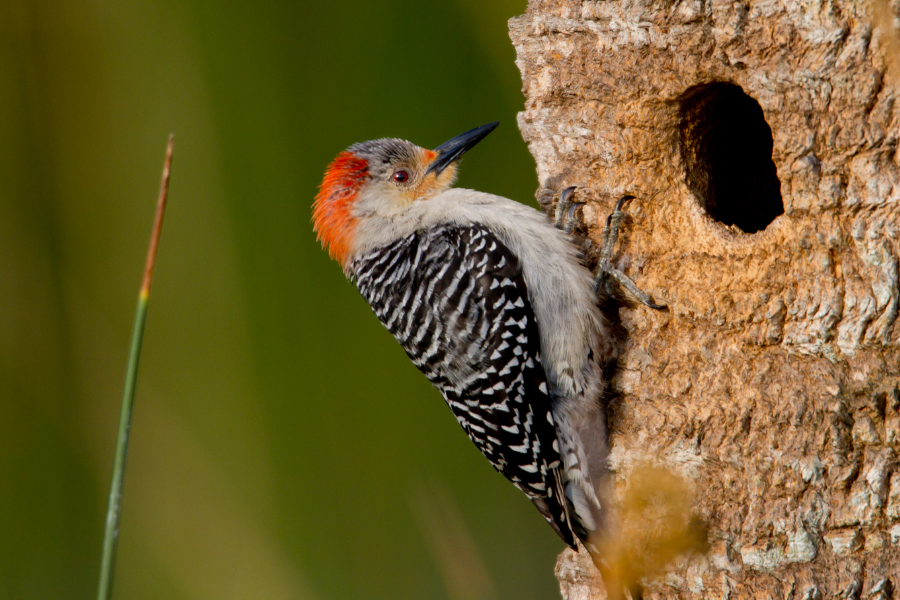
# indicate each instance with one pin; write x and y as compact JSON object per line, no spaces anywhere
{"x":772,"y":383}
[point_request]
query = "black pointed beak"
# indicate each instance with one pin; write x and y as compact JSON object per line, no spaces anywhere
{"x":452,"y":150}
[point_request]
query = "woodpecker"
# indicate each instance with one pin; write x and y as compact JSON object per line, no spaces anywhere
{"x":490,"y":300}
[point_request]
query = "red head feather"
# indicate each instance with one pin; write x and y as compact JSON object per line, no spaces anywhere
{"x":331,"y":210}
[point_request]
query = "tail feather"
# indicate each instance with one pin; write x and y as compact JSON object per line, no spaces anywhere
{"x":583,"y":467}
{"x":586,"y":509}
{"x":556,"y":509}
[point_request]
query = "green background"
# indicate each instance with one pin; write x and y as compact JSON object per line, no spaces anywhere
{"x":283,"y":445}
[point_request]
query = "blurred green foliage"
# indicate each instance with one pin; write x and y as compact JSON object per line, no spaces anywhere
{"x":283,"y":445}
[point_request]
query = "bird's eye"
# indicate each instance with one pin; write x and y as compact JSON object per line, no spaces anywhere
{"x":400,"y":176}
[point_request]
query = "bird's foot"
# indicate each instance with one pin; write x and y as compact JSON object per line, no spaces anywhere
{"x":605,"y":268}
{"x":565,"y":218}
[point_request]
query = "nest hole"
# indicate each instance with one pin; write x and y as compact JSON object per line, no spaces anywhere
{"x":726,"y":146}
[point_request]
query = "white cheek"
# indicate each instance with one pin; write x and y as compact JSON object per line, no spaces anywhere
{"x":383,"y":214}
{"x":381,"y":200}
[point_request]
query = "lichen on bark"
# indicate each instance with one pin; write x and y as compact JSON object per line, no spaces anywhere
{"x":772,"y":383}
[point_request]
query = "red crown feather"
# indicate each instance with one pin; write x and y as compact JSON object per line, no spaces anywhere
{"x":332,"y":220}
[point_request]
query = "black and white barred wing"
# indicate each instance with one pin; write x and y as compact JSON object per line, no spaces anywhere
{"x":455,"y":299}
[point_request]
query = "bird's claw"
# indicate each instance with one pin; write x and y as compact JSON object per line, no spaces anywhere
{"x":565,"y":211}
{"x":605,"y":268}
{"x":566,"y":220}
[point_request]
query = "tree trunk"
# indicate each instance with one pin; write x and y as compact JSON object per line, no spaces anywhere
{"x":761,"y":140}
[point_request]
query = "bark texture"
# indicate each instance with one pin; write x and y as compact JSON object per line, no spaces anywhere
{"x":772,"y":383}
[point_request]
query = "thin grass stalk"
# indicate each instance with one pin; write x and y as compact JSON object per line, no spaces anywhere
{"x":111,"y":534}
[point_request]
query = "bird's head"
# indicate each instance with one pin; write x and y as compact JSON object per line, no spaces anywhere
{"x":381,"y":179}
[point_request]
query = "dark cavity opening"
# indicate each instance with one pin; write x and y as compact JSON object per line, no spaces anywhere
{"x":726,"y":145}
